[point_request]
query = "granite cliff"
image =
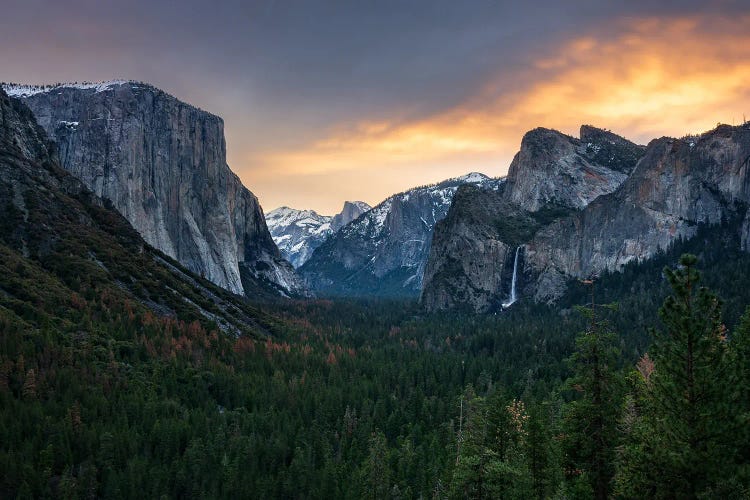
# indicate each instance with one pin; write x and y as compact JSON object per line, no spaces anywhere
{"x":63,"y":249}
{"x":552,"y":168}
{"x":584,"y":225}
{"x":677,"y":185}
{"x":162,"y":164}
{"x":551,"y":178}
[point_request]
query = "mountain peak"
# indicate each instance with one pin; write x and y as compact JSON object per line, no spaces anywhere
{"x":298,"y":233}
{"x":542,"y":136}
{"x":351,"y":211}
{"x":383,"y":252}
{"x":555,"y":169}
{"x":361,"y":205}
{"x":589,"y":133}
{"x":473,"y":177}
{"x":609,"y":149}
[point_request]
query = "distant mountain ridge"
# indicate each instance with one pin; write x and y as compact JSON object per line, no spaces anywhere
{"x":384,"y":251}
{"x":298,"y":233}
{"x":162,"y":163}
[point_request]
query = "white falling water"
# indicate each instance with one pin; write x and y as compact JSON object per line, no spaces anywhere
{"x":513,"y":283}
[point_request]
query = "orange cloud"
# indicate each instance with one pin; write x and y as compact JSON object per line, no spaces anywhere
{"x":643,"y":78}
{"x":659,"y":77}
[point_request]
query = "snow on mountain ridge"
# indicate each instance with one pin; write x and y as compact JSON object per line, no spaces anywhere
{"x":298,"y":233}
{"x":22,"y":90}
{"x":441,"y":193}
{"x":384,"y":251}
{"x":472,"y":177}
{"x":361,"y":206}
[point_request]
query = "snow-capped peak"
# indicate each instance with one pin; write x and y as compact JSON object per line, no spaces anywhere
{"x":298,"y":233}
{"x":472,"y":178}
{"x":386,"y":248}
{"x":361,"y":205}
{"x":372,"y":224}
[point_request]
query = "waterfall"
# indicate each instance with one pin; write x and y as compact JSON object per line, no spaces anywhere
{"x":513,"y":283}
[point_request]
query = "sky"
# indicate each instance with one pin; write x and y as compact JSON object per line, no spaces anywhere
{"x":326,"y":101}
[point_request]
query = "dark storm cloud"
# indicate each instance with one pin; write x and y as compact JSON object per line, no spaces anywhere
{"x":354,"y":56}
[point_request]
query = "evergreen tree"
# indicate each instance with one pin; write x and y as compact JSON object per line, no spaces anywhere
{"x":679,"y":418}
{"x":470,"y":472}
{"x":541,"y":451}
{"x":591,"y":419}
{"x":376,"y":467}
{"x":636,"y":477}
{"x":739,"y":355}
{"x":491,"y":462}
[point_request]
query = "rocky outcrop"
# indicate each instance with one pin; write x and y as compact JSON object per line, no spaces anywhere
{"x":384,"y":251}
{"x":552,"y":168}
{"x":678,"y":184}
{"x":675,"y":186}
{"x":471,"y":264}
{"x":552,"y":177}
{"x":298,"y":233}
{"x":351,"y":211}
{"x":162,"y":163}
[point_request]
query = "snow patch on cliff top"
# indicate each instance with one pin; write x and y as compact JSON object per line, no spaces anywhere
{"x":20,"y":90}
{"x":472,"y":178}
{"x":285,"y":216}
{"x":361,"y":205}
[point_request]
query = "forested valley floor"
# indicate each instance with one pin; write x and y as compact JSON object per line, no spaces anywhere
{"x":643,"y":392}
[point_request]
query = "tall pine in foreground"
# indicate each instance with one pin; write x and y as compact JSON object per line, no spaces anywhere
{"x":591,"y":419}
{"x":739,"y":355}
{"x":677,"y":421}
{"x":492,"y":453}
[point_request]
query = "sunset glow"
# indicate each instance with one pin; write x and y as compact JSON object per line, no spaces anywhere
{"x":417,"y":94}
{"x":654,"y":77}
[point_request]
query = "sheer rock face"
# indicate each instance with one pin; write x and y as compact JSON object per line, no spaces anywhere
{"x":384,"y":251}
{"x":162,"y":163}
{"x":468,"y":264}
{"x":676,"y":185}
{"x":553,"y":168}
{"x":53,"y":221}
{"x":298,"y":233}
{"x":351,"y":211}
{"x":553,"y":176}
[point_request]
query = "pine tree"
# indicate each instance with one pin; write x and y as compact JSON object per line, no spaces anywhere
{"x":678,"y":421}
{"x":376,"y":467}
{"x":591,"y":419}
{"x":470,"y":474}
{"x":29,"y":385}
{"x":543,"y":465}
{"x":491,"y":461}
{"x":739,"y":355}
{"x":689,"y":385}
{"x":636,"y":474}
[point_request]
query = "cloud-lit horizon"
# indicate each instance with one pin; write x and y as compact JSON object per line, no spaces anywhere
{"x":331,"y":101}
